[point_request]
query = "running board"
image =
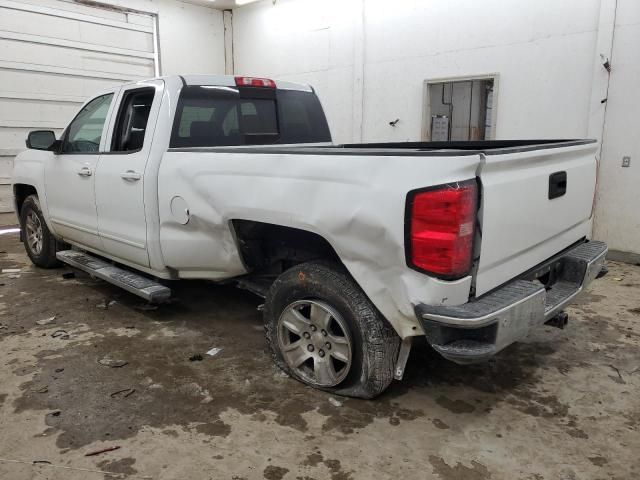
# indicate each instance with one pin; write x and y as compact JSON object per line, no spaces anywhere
{"x":144,"y":287}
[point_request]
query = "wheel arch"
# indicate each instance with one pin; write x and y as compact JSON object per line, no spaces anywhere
{"x":265,"y":250}
{"x":262,"y":245}
{"x":20,"y":193}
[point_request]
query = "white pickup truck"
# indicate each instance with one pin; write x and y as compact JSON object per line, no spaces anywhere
{"x":356,"y":248}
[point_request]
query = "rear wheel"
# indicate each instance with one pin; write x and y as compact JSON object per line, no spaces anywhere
{"x":40,"y":244}
{"x":324,"y":331}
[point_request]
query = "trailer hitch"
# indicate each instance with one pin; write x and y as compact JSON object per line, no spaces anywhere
{"x":559,"y":321}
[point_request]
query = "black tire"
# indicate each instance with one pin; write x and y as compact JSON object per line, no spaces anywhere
{"x":374,"y":343}
{"x":46,"y":257}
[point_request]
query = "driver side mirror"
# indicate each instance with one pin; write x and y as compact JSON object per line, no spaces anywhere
{"x":42,"y":140}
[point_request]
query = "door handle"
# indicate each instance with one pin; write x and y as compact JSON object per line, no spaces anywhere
{"x":85,"y":172}
{"x":131,"y":176}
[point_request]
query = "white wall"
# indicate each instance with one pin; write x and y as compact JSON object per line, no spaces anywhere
{"x":543,"y":52}
{"x":191,"y":36}
{"x":618,"y":204}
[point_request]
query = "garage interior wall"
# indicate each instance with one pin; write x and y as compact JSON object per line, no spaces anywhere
{"x":369,"y":72}
{"x":546,"y":58}
{"x":54,"y":54}
{"x":617,"y":218}
{"x":545,"y":55}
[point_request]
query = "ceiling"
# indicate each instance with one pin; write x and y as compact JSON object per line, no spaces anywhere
{"x":218,"y":4}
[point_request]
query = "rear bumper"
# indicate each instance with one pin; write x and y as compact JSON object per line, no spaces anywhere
{"x":479,"y":329}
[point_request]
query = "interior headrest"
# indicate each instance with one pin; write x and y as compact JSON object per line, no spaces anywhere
{"x":203,"y":129}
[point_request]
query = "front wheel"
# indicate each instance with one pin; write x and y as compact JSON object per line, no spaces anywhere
{"x":40,"y":244}
{"x":323,"y":331}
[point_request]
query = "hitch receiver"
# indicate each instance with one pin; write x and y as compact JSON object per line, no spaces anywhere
{"x":559,"y":321}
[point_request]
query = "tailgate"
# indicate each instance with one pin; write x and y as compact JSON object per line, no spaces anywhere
{"x":521,"y":225}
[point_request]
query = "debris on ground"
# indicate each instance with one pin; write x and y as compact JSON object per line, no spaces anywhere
{"x":112,"y":362}
{"x":55,"y":413}
{"x":619,"y":379}
{"x":11,"y":270}
{"x":102,"y":450}
{"x":146,"y":307}
{"x":61,"y":334}
{"x":335,"y":402}
{"x":46,"y":321}
{"x":105,"y":304}
{"x":14,"y":275}
{"x":41,"y":462}
{"x":59,"y":370}
{"x":44,"y":389}
{"x":214,"y":351}
{"x":123,"y":393}
{"x":68,"y":275}
{"x":196,"y":358}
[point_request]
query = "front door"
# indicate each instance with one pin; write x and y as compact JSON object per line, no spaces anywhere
{"x":70,"y":175}
{"x":120,"y":175}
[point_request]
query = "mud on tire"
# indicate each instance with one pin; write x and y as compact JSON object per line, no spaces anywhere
{"x":374,"y":343}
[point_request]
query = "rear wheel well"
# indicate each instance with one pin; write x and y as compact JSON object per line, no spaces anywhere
{"x":20,"y":192}
{"x":267,"y":248}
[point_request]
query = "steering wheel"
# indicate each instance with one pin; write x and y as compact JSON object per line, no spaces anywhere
{"x":84,"y":146}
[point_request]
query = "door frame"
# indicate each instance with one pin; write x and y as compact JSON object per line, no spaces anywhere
{"x":425,"y":133}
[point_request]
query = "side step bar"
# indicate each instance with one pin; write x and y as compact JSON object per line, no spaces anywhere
{"x":144,"y":287}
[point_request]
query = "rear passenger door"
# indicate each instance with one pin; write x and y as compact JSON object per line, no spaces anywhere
{"x":120,"y":175}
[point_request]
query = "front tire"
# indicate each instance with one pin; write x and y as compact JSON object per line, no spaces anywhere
{"x":323,"y":331}
{"x":40,"y":244}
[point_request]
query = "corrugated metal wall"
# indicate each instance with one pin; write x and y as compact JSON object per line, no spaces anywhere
{"x":54,"y":54}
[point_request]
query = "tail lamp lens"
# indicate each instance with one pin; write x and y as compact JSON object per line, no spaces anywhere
{"x":441,"y":229}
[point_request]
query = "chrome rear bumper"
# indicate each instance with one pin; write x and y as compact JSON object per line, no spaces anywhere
{"x":481,"y":328}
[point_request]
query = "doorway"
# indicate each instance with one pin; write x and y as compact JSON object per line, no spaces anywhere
{"x":459,"y":110}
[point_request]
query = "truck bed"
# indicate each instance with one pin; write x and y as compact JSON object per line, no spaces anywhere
{"x":487,"y":147}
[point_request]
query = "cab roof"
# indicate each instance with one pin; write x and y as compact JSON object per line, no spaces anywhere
{"x":230,"y":81}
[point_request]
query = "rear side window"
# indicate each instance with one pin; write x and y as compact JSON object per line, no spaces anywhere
{"x":209,"y":116}
{"x":131,"y":123}
{"x":301,"y":117}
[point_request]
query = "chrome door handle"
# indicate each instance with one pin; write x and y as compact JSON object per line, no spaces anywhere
{"x":85,"y":172}
{"x":131,"y":176}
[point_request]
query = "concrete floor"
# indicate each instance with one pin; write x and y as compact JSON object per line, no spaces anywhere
{"x":560,"y":405}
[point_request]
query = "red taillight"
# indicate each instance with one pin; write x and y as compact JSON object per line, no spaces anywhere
{"x":255,"y":82}
{"x":441,"y":229}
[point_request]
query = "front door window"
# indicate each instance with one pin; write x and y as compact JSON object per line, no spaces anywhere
{"x":85,"y":131}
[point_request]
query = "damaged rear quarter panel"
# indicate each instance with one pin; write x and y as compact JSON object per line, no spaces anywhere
{"x":355,"y":202}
